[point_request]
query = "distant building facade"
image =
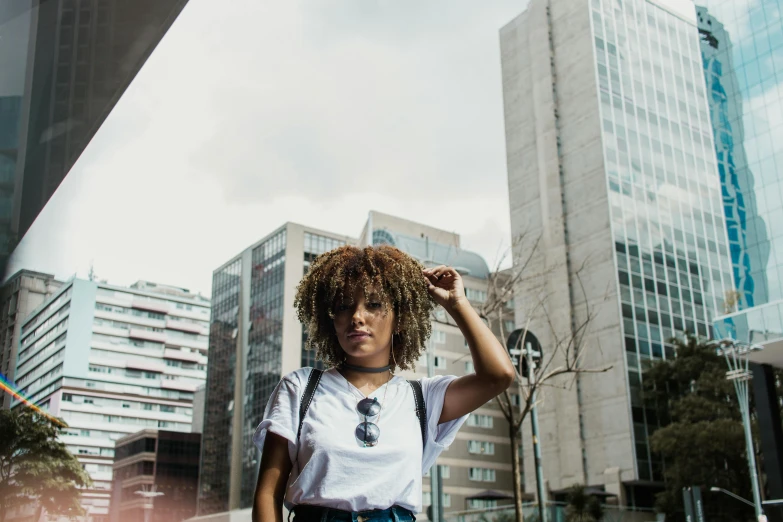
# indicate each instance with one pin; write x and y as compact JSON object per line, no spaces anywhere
{"x":19,"y":296}
{"x":110,"y":360}
{"x":159,"y":461}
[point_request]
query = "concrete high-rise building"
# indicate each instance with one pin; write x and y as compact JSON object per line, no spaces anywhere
{"x":611,"y":164}
{"x":65,"y":65}
{"x":19,"y":296}
{"x":255,"y":334}
{"x":742,"y":51}
{"x":110,"y":360}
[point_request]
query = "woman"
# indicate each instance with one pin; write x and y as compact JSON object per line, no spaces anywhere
{"x":359,"y":454}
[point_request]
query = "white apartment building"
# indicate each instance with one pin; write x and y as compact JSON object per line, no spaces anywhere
{"x":111,"y":361}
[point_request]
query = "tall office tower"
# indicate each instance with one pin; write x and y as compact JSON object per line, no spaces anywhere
{"x":66,"y":63}
{"x":254,"y":339}
{"x":110,"y":360}
{"x":742,"y":50}
{"x":255,"y":335}
{"x":19,"y":296}
{"x":611,"y":164}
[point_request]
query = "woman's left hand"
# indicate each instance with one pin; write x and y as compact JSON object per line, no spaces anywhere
{"x":445,"y":286}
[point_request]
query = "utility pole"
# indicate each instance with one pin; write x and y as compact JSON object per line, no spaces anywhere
{"x":530,"y":355}
{"x":436,"y":488}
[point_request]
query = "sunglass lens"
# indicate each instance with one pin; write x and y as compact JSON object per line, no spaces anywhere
{"x":368,"y":433}
{"x":369,"y":407}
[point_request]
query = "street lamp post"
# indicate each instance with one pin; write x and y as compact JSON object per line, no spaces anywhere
{"x":436,"y":488}
{"x":150,"y":496}
{"x":526,"y":352}
{"x":729,"y":493}
{"x":739,"y":373}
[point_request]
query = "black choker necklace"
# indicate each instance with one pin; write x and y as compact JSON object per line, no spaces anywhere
{"x":364,"y":369}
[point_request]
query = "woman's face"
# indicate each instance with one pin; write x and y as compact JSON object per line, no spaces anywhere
{"x":364,"y":328}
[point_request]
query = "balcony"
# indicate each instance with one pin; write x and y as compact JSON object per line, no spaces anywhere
{"x":179,"y":355}
{"x":145,"y":366}
{"x":183,"y":326}
{"x":146,"y":335}
{"x":152,"y":306}
{"x":178,"y":385}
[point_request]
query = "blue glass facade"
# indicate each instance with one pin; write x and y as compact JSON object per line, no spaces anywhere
{"x":742,"y":50}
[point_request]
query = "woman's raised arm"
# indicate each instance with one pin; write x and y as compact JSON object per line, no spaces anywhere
{"x":494,"y":371}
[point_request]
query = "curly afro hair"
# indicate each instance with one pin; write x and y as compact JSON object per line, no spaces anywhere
{"x":393,"y":274}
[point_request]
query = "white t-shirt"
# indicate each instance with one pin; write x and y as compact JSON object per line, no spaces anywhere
{"x":334,"y":469}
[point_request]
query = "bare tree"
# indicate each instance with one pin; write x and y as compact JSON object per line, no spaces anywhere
{"x":563,"y":352}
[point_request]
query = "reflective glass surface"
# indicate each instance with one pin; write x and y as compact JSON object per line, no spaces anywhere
{"x":218,"y":409}
{"x":665,"y":196}
{"x":742,"y":46}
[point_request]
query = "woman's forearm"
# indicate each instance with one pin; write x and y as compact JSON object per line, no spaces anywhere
{"x":267,"y":508}
{"x":490,"y":360}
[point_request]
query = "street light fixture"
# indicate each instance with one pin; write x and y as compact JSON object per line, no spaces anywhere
{"x":150,"y":496}
{"x":729,"y":493}
{"x":739,"y":373}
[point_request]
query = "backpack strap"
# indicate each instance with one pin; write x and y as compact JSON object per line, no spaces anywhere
{"x":307,"y":398}
{"x":421,"y":409}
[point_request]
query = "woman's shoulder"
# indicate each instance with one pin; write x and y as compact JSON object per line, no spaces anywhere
{"x":298,"y":378}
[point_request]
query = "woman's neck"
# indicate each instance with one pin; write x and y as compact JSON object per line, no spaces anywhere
{"x":363,"y":380}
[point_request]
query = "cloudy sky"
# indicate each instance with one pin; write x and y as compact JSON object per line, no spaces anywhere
{"x":253,"y":113}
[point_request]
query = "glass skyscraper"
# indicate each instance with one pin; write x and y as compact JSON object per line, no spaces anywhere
{"x":742,"y":46}
{"x":257,"y":339}
{"x":611,"y":162}
{"x":665,"y":199}
{"x":742,"y":50}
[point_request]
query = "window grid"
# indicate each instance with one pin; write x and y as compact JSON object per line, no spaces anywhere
{"x":663,"y":186}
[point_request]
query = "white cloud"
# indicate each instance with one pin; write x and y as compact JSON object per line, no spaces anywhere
{"x":250,"y":116}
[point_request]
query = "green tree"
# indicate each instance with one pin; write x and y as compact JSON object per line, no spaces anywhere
{"x":35,"y":467}
{"x":703,"y":442}
{"x":583,"y":507}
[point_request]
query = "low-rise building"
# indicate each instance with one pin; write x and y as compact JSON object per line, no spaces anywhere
{"x":155,"y":471}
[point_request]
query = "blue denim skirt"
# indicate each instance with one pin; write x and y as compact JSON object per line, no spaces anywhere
{"x":307,"y":513}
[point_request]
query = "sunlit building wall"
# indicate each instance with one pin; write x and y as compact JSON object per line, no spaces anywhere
{"x":611,"y":164}
{"x":111,"y":360}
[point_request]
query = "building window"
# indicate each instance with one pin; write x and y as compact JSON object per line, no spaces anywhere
{"x":445,"y":472}
{"x":439,"y":336}
{"x":481,"y":474}
{"x":476,"y":295}
{"x":426,"y":499}
{"x":482,"y":504}
{"x":481,"y":421}
{"x":469,"y":368}
{"x":479,"y":447}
